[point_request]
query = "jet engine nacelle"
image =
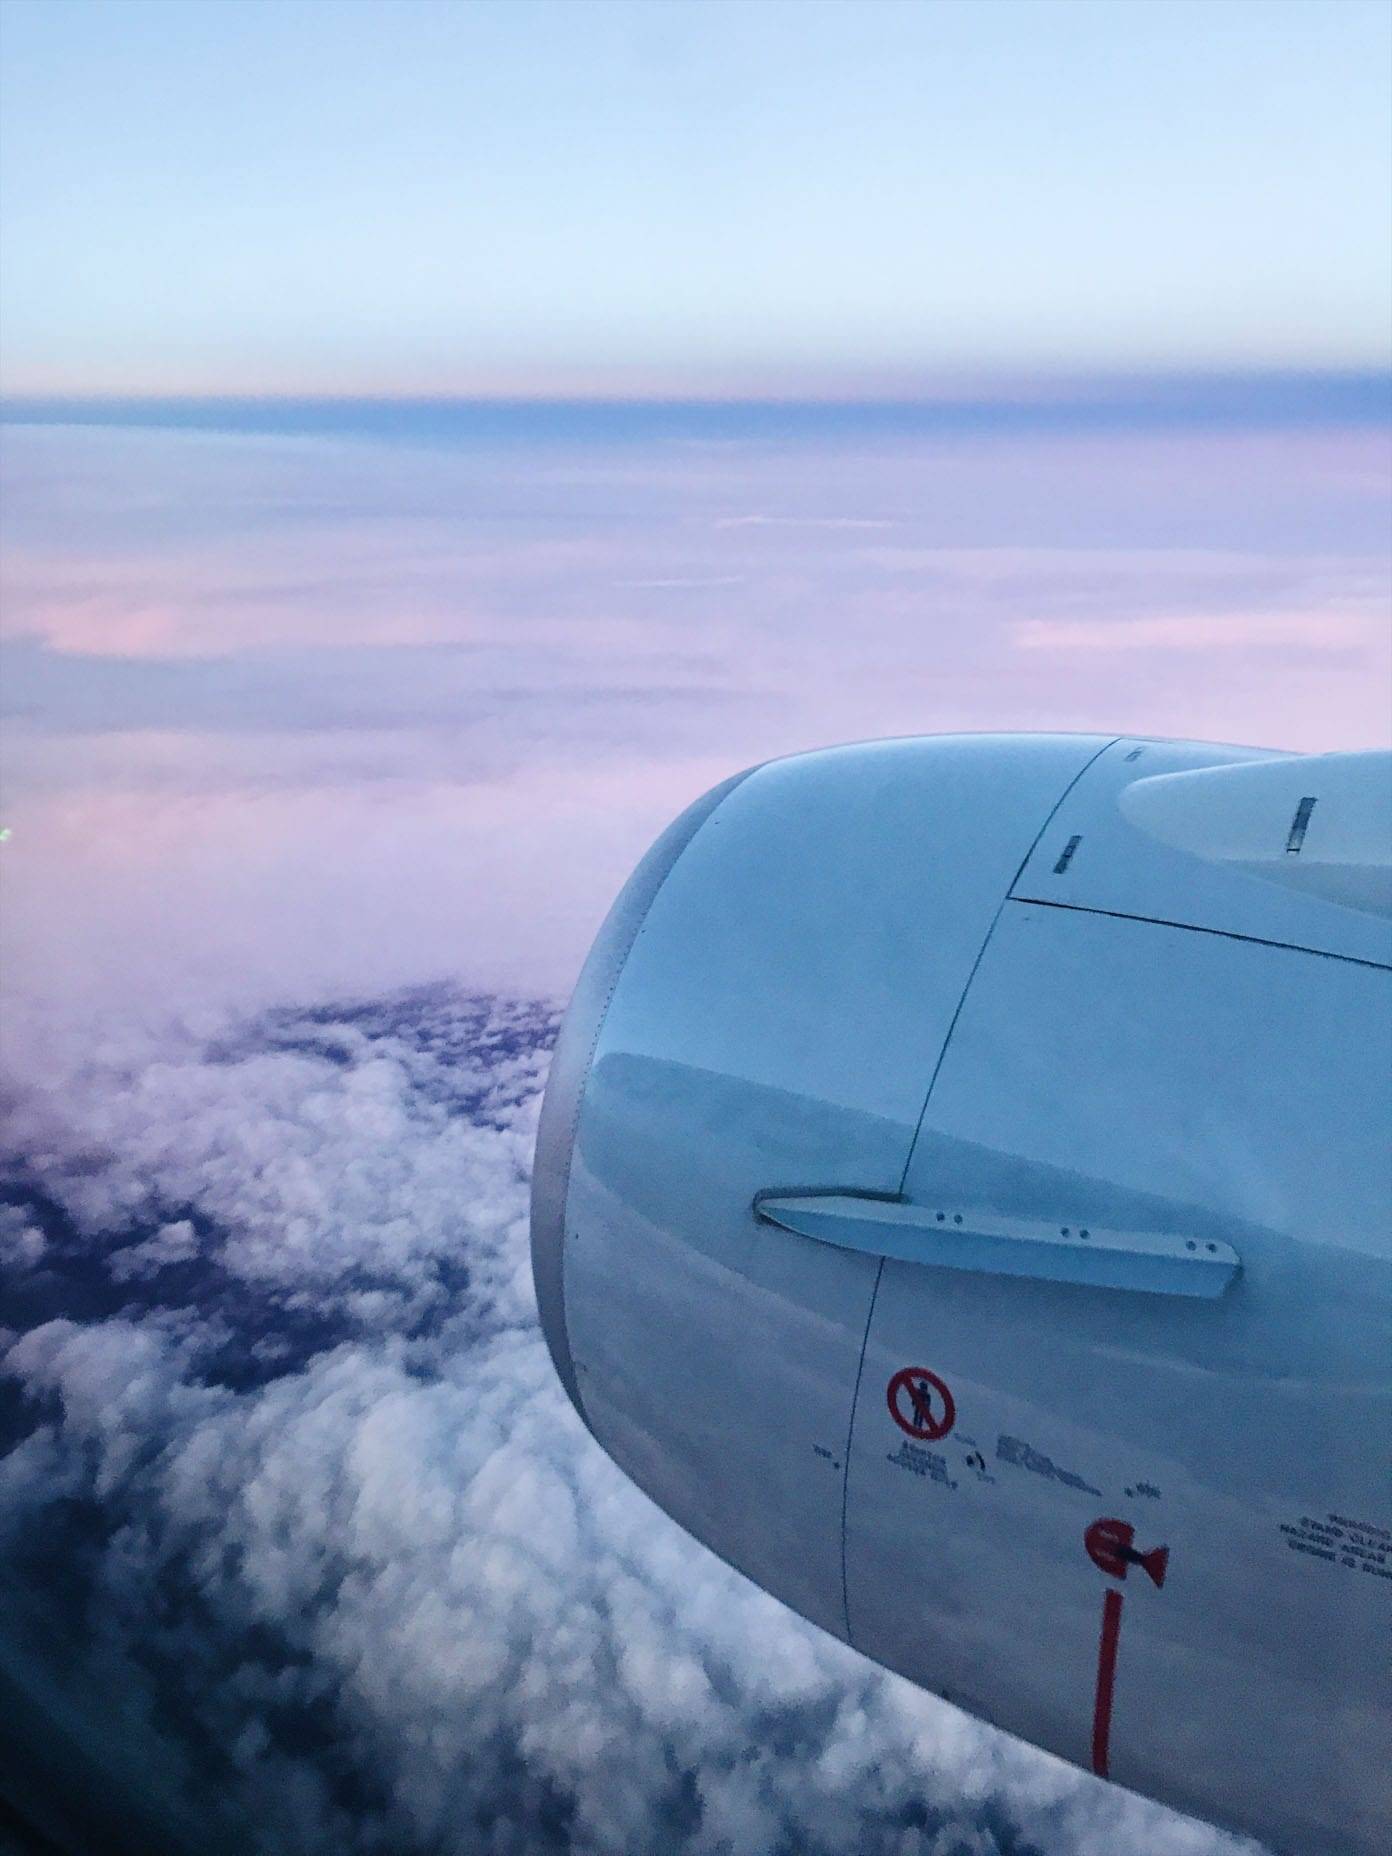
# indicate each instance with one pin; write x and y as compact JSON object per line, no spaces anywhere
{"x":962,"y":1202}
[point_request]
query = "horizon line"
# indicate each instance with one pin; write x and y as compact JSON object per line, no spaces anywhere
{"x":1332,"y":398}
{"x":1039,"y":385}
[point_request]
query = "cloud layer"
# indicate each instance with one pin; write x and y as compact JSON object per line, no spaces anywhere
{"x":294,"y":714}
{"x":291,"y":1440}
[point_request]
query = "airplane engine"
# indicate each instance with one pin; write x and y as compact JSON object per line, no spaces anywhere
{"x":962,"y":1202}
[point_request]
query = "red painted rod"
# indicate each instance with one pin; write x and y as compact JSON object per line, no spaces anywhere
{"x":1106,"y":1680}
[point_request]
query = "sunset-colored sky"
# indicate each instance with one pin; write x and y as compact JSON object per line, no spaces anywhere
{"x":674,"y":196}
{"x":288,"y":711}
{"x":632,"y":390}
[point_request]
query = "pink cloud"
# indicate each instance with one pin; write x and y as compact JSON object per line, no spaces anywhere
{"x":286,"y":714}
{"x":1332,"y":631}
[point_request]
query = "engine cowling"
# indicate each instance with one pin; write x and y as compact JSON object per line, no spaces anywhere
{"x":962,"y":1201}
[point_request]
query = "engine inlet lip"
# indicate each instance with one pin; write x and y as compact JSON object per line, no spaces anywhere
{"x":571,"y":1061}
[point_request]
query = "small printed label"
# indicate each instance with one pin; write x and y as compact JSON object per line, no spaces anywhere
{"x":921,"y":1462}
{"x":1357,"y":1546}
{"x":1025,"y":1456}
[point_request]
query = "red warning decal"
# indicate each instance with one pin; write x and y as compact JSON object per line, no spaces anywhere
{"x":1110,"y":1547}
{"x":920,"y":1404}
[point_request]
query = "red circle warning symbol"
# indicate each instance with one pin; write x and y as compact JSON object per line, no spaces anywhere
{"x":921,"y":1404}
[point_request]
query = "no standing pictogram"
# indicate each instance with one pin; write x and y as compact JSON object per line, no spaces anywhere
{"x":920,"y":1404}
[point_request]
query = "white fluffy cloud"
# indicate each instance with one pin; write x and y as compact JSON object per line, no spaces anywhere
{"x":342,"y":1526}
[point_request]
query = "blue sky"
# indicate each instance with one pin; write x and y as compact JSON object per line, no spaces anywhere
{"x":686,"y":195}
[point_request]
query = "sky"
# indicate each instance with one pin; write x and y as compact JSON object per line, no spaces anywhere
{"x":670,"y":196}
{"x":440,"y":441}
